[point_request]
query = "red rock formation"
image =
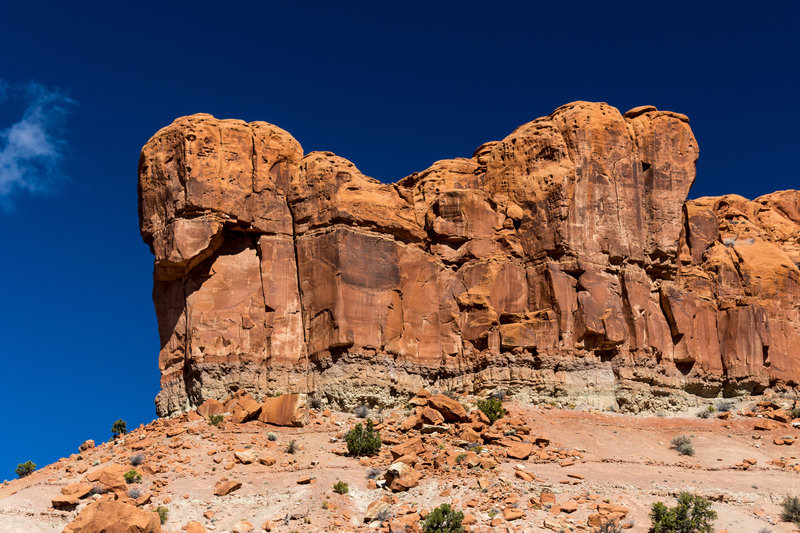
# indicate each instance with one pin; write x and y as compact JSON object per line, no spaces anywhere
{"x":562,"y":259}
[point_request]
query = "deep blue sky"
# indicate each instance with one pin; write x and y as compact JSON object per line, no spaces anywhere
{"x":391,"y":88}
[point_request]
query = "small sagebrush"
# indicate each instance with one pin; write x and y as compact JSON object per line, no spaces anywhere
{"x":292,"y":447}
{"x":708,"y":412}
{"x":272,"y":436}
{"x":492,"y":408}
{"x":340,"y":487}
{"x":215,"y":420}
{"x":725,"y":406}
{"x":683,"y":445}
{"x":362,"y":411}
{"x":790,"y":510}
{"x":163,"y":513}
{"x":99,"y":490}
{"x":137,"y":459}
{"x":315,"y":401}
{"x":611,"y":526}
{"x":134,"y":493}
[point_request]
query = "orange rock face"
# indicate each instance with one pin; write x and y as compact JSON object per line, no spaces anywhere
{"x":114,"y":517}
{"x":563,"y":258}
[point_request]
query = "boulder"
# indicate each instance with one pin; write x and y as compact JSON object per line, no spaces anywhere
{"x":285,"y":410}
{"x":520,"y":450}
{"x":245,"y":456}
{"x":413,"y":446}
{"x":375,"y":509}
{"x":400,"y":477}
{"x":111,"y":478}
{"x":195,"y":527}
{"x":210,"y":407}
{"x":450,"y":409}
{"x":108,"y":516}
{"x":223,"y":488}
{"x":86,"y":445}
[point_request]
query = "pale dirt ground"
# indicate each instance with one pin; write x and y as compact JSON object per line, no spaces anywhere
{"x":625,"y":459}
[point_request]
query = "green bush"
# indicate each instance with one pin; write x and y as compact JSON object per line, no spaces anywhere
{"x":132,"y":476}
{"x":693,"y":514}
{"x":361,"y":442}
{"x":215,"y":420}
{"x":119,"y":428}
{"x":340,"y":487}
{"x":683,"y":445}
{"x":791,"y":510}
{"x":272,"y":436}
{"x":163,"y":513}
{"x":492,"y":408}
{"x":25,"y":469}
{"x":443,"y":519}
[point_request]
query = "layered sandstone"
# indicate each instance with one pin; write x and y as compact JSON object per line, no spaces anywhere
{"x":563,"y":259}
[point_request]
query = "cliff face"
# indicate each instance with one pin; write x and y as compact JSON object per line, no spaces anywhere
{"x":562,"y":260}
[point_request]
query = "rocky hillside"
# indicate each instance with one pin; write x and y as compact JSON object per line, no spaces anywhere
{"x":562,"y":261}
{"x":282,"y":466}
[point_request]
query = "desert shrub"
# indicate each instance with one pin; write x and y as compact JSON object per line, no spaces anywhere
{"x":292,"y":447}
{"x":315,"y":401}
{"x":340,"y":487}
{"x":693,"y":514}
{"x":119,"y":428}
{"x":725,"y":406}
{"x":137,"y":459}
{"x":362,"y":411}
{"x":492,"y":408}
{"x":790,"y":509}
{"x":134,"y":493}
{"x":794,"y":412}
{"x":132,"y":476}
{"x":215,"y":420}
{"x":451,"y":393}
{"x":25,"y":469}
{"x":272,"y":436}
{"x":443,"y":519}
{"x":683,"y":445}
{"x":611,"y":526}
{"x":163,"y":513}
{"x":374,"y":473}
{"x":460,"y":457}
{"x":363,"y":441}
{"x":708,"y":412}
{"x":98,"y":489}
{"x":384,"y":515}
{"x":325,"y":504}
{"x":477,"y":448}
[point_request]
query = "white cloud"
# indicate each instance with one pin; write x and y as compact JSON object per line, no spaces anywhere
{"x":31,"y":148}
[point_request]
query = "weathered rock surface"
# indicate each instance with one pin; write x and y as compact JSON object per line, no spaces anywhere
{"x":562,"y":259}
{"x":114,"y":517}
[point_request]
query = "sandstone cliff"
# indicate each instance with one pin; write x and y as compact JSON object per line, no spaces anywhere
{"x":563,"y":260}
